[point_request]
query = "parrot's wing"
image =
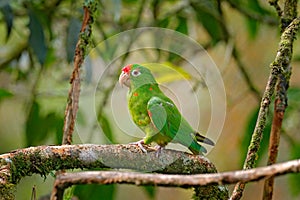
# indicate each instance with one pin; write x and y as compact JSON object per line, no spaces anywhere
{"x":164,"y":116}
{"x":168,"y":120}
{"x":157,"y":113}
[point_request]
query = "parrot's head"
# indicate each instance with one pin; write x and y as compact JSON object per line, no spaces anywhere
{"x":135,"y":75}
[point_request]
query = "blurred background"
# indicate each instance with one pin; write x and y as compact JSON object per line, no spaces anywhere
{"x":38,"y":39}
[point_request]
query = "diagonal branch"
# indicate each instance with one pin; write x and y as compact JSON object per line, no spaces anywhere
{"x":281,"y":101}
{"x":283,"y":55}
{"x":73,"y":96}
{"x":84,"y":39}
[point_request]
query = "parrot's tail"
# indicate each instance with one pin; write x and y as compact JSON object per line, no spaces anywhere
{"x":195,"y":147}
{"x":203,"y":139}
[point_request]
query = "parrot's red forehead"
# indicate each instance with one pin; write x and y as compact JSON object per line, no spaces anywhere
{"x":127,"y":68}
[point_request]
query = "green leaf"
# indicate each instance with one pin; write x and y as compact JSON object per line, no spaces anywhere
{"x":37,"y":38}
{"x":182,"y":25}
{"x":95,"y":192}
{"x":54,"y":123}
{"x":35,"y":131}
{"x":4,"y":94}
{"x":8,"y":15}
{"x":106,"y":128}
{"x":129,"y":1}
{"x":51,"y":57}
{"x":248,"y":135}
{"x":208,"y":15}
{"x":150,"y":190}
{"x":163,"y":22}
{"x":69,"y":193}
{"x":252,"y":26}
{"x":72,"y":38}
{"x":58,"y":124}
{"x":39,"y":127}
{"x":255,"y":6}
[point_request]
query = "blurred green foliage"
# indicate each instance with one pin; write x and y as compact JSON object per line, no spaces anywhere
{"x":39,"y":127}
{"x":4,"y":94}
{"x":93,"y":192}
{"x":38,"y":47}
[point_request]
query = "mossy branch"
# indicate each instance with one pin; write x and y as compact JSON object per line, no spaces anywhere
{"x":282,"y":58}
{"x":180,"y":169}
{"x":45,"y":159}
{"x":281,"y":100}
{"x":80,"y":52}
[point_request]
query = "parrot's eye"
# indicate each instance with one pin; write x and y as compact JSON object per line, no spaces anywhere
{"x":135,"y":73}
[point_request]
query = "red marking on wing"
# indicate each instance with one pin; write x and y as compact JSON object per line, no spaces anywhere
{"x":150,"y":88}
{"x":135,"y":94}
{"x":127,"y":68}
{"x":149,"y":113}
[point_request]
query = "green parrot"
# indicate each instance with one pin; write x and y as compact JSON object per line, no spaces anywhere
{"x":156,"y":114}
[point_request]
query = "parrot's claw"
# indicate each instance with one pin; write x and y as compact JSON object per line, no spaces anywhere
{"x":158,"y":150}
{"x":140,"y":144}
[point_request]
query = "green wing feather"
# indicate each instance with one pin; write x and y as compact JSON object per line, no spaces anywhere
{"x":168,"y":121}
{"x":158,"y":113}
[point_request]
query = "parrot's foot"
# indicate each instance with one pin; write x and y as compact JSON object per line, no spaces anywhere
{"x":158,"y":150}
{"x":140,"y":144}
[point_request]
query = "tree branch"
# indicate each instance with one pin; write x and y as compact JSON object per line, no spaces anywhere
{"x":84,"y":40}
{"x":66,"y":180}
{"x":73,"y":96}
{"x":174,"y":180}
{"x":283,"y":55}
{"x":44,"y":159}
{"x":281,"y":100}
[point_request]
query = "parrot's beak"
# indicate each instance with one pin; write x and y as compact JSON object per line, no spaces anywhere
{"x":124,"y":79}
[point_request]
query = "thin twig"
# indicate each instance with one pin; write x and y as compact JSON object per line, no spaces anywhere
{"x":74,"y":92}
{"x":107,"y":91}
{"x":171,"y":180}
{"x":283,"y":54}
{"x":289,"y":13}
{"x":33,"y":193}
{"x":73,"y":97}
